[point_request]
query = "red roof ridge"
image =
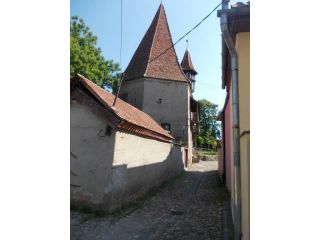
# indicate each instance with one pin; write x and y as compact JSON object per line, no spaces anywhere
{"x":161,"y":7}
{"x":186,"y":62}
{"x":155,"y":57}
{"x":177,"y":60}
{"x":133,"y":119}
{"x":153,"y":37}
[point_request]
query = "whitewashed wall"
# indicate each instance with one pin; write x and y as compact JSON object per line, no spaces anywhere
{"x":91,"y":155}
{"x":109,"y":171}
{"x":140,"y":164}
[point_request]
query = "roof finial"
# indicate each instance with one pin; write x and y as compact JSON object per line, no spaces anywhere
{"x":187,"y":43}
{"x":161,"y":2}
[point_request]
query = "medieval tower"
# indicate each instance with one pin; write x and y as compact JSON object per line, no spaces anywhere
{"x":155,"y":83}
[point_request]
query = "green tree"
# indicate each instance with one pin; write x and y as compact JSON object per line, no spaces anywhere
{"x":200,"y":141}
{"x":86,"y":58}
{"x":209,"y":127}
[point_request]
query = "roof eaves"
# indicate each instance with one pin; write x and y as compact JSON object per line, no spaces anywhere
{"x":130,"y":127}
{"x":95,"y":94}
{"x":125,"y":122}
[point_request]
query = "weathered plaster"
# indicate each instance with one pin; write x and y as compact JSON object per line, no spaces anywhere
{"x":91,"y":154}
{"x":243,"y":49}
{"x":140,"y":164}
{"x":109,"y":171}
{"x":134,"y":91}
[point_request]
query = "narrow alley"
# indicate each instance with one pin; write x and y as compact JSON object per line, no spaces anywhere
{"x":195,"y":205}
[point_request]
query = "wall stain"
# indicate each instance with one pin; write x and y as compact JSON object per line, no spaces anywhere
{"x":73,"y":155}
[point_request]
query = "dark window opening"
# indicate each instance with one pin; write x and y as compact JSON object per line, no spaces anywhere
{"x":166,"y":126}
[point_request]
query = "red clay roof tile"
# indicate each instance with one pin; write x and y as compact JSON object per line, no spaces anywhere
{"x":186,"y":62}
{"x":134,"y":120}
{"x":147,"y":62}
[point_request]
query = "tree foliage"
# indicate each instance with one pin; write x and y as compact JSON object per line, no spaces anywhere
{"x":86,"y":58}
{"x":209,"y":127}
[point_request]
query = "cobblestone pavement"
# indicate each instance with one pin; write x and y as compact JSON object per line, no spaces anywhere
{"x":195,"y":206}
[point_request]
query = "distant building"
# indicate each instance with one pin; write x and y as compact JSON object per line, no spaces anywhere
{"x":117,"y":152}
{"x":155,"y":83}
{"x":236,"y":70}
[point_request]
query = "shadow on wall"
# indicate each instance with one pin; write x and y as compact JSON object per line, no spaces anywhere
{"x":124,"y":185}
{"x":210,"y":217}
{"x":91,"y":158}
{"x":129,"y":184}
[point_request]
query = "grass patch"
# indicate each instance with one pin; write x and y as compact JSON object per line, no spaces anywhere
{"x":207,"y":153}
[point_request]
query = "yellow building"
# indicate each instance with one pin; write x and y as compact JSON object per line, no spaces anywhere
{"x":235,"y":116}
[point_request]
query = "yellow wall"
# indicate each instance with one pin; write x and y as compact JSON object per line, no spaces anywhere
{"x":243,"y":50}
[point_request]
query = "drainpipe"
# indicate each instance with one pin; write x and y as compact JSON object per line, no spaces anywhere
{"x":235,"y":110}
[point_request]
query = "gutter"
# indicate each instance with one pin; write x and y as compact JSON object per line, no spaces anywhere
{"x":235,"y":112}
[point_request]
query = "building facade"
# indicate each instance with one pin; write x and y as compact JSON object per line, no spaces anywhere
{"x":238,"y":24}
{"x":117,"y":151}
{"x":155,"y":83}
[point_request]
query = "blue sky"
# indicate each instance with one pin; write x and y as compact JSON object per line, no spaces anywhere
{"x":103,"y":18}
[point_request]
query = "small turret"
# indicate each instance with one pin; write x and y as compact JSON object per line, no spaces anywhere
{"x":188,"y":68}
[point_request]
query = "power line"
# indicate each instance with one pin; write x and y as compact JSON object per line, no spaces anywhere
{"x":197,"y":25}
{"x":121,"y":79}
{"x":120,"y":34}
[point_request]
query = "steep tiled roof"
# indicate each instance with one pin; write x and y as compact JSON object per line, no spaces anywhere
{"x":133,"y":120}
{"x":186,"y":63}
{"x":147,"y":62}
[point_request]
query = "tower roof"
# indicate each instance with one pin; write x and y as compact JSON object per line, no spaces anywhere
{"x":147,"y":60}
{"x":186,"y":63}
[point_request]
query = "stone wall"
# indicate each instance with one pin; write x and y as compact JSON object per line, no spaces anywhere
{"x":139,"y":165}
{"x":165,"y":101}
{"x":110,"y":171}
{"x":168,"y":102}
{"x":133,"y":92}
{"x":91,"y":155}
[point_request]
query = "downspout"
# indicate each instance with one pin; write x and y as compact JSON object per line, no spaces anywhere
{"x":235,"y":112}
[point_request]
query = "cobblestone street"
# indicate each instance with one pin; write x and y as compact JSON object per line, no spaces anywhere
{"x":194,"y":206}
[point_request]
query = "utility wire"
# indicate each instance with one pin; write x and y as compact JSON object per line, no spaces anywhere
{"x":167,"y":48}
{"x":120,"y":34}
{"x":122,"y":75}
